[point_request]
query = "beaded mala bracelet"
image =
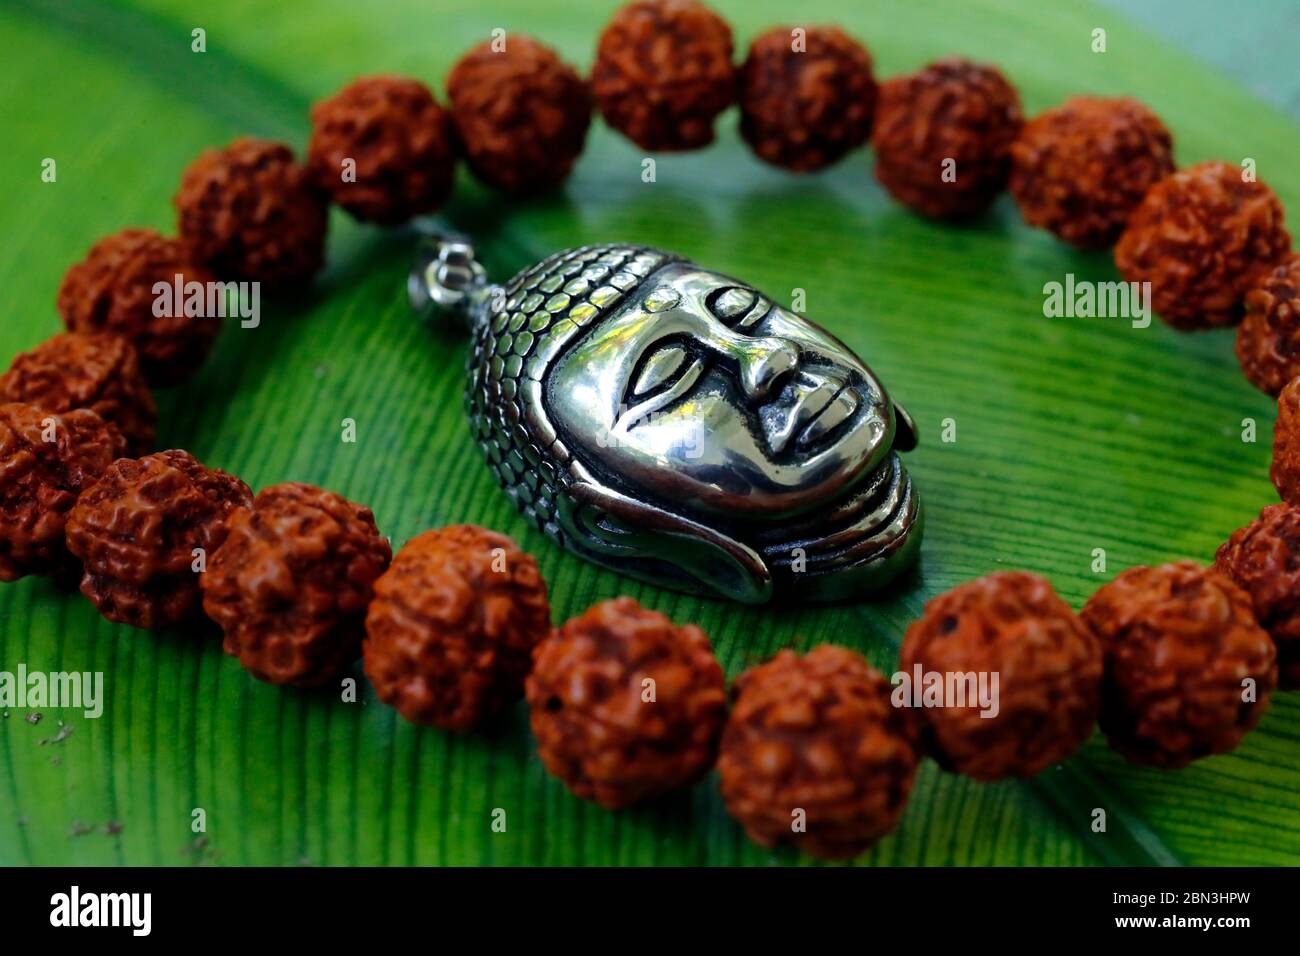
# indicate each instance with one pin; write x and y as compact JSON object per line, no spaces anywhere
{"x":1176,"y":662}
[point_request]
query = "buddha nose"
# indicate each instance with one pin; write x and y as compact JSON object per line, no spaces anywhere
{"x":763,"y":363}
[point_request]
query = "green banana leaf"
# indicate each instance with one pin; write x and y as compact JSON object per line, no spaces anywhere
{"x":1071,"y":435}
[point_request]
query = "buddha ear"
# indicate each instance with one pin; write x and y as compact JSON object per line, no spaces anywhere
{"x":652,"y":544}
{"x":905,"y":434}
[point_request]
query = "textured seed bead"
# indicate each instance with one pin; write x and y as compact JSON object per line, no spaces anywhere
{"x":290,"y":584}
{"x":804,"y":108}
{"x":663,"y":72}
{"x":112,"y":290}
{"x":1268,"y":339}
{"x":1285,"y":469}
{"x":625,"y":705}
{"x":1263,"y":558}
{"x":249,"y":212}
{"x":98,"y":371}
{"x":1189,"y":671}
{"x":943,"y":136}
{"x":815,"y":740}
{"x":144,"y":532}
{"x":1080,"y":169}
{"x":383,"y":149}
{"x":45,"y":462}
{"x":1203,"y":237}
{"x":1012,"y":627}
{"x":522,"y":114}
{"x":450,"y":633}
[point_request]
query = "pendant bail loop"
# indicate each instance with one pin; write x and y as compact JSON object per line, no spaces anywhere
{"x":448,"y":280}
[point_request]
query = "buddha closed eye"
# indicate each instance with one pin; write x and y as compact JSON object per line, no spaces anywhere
{"x":790,"y":414}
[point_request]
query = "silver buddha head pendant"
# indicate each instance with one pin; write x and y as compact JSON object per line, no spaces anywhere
{"x":676,"y":425}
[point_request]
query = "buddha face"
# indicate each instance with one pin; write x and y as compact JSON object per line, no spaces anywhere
{"x":701,"y":392}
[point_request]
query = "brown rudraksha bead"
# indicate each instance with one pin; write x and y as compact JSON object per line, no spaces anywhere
{"x":1285,"y":469}
{"x":144,"y":532}
{"x":112,"y":290}
{"x":291,"y":583}
{"x":663,"y":72}
{"x":450,"y":633}
{"x":248,"y":211}
{"x":1268,"y":339}
{"x":1202,"y":237}
{"x":45,"y":462}
{"x":1263,"y":558}
{"x":99,"y":371}
{"x":1189,"y":670}
{"x":804,"y":108}
{"x":1013,"y":628}
{"x":522,"y":114}
{"x":400,"y":144}
{"x":815,"y":754}
{"x":625,"y":705}
{"x":943,"y":136}
{"x":1080,"y":169}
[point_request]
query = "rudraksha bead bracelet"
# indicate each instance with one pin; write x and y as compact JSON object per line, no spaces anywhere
{"x":1177,"y":662}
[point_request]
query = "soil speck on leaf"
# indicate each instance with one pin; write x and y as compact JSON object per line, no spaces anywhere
{"x":65,"y":730}
{"x":201,"y":853}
